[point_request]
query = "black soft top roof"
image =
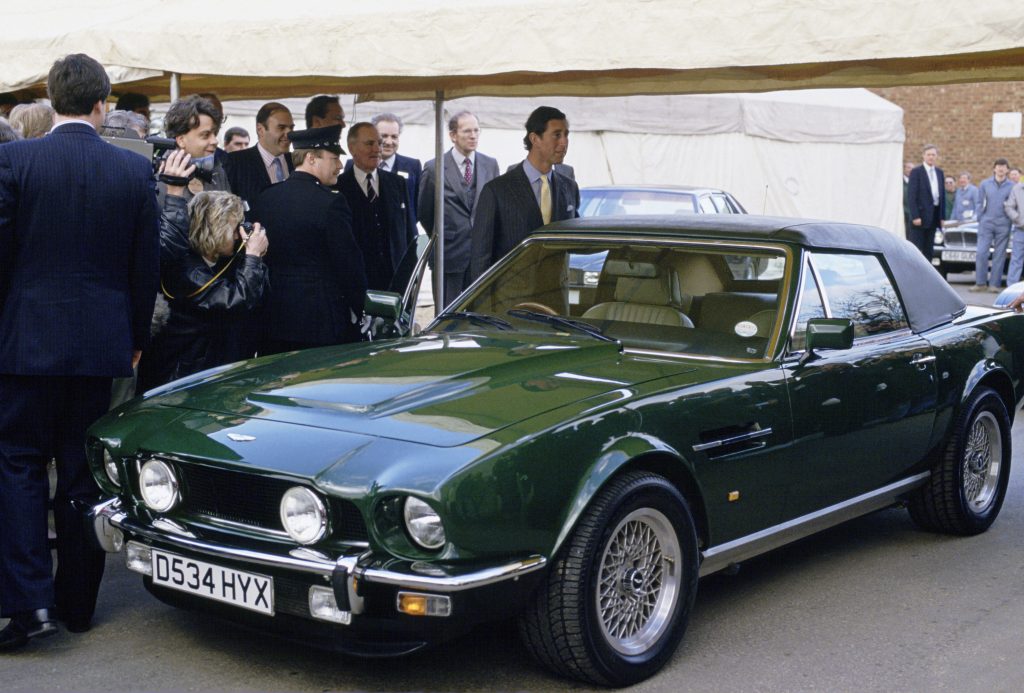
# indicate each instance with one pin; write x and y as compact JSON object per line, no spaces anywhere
{"x":929,"y":300}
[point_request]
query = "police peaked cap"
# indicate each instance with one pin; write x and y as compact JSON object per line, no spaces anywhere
{"x":318,"y":138}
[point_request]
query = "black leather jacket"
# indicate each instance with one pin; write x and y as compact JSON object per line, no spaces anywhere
{"x":205,"y":328}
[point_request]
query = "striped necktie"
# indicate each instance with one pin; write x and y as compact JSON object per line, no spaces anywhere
{"x":371,"y":194}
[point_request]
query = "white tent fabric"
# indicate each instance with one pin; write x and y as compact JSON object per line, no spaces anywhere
{"x":827,"y":154}
{"x":410,"y":48}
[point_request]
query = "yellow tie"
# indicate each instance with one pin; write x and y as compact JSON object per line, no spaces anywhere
{"x":545,"y":199}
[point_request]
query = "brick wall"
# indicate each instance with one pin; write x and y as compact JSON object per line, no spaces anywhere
{"x":957,"y":118}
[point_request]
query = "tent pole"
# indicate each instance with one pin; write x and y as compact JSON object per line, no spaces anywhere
{"x":439,"y":202}
{"x":175,"y":86}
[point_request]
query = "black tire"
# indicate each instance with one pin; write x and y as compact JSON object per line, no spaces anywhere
{"x":566,"y":629}
{"x":970,"y":475}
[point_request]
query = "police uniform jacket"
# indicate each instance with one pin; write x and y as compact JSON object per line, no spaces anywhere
{"x":317,"y":279}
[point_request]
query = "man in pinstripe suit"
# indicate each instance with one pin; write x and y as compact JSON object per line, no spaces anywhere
{"x":529,"y":196}
{"x":79,"y":255}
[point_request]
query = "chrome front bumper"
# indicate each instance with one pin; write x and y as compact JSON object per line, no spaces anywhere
{"x":110,"y":523}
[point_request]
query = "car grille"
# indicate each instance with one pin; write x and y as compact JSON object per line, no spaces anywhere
{"x":961,"y":238}
{"x":254,"y":500}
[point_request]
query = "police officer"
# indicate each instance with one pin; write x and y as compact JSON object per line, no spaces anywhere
{"x":317,"y":277}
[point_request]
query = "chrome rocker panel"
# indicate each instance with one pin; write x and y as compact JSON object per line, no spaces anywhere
{"x":720,"y":557}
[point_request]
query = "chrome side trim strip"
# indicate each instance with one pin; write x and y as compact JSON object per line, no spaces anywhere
{"x":721,"y":442}
{"x":718,"y":557}
{"x":320,"y":564}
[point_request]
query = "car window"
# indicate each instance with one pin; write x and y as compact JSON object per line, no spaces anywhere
{"x":640,"y":202}
{"x":811,"y":306}
{"x":722,"y":204}
{"x":706,"y":299}
{"x":707,"y":206}
{"x":858,"y":287}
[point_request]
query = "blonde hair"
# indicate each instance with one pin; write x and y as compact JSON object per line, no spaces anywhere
{"x":213,"y":218}
{"x":32,"y":119}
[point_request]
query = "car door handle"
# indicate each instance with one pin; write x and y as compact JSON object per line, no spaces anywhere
{"x":732,"y":440}
{"x":921,"y":359}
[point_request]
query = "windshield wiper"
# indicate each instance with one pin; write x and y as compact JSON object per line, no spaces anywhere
{"x":577,"y":325}
{"x":492,"y":320}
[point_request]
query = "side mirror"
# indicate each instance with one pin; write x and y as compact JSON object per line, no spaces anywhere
{"x":385,"y":311}
{"x":827,"y":333}
{"x":383,"y":304}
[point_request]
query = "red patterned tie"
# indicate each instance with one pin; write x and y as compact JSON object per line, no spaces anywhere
{"x":469,"y":172}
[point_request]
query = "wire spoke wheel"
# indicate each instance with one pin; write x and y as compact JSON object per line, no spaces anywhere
{"x":638,"y":581}
{"x":983,"y":454}
{"x":970,"y":472}
{"x":617,"y":600}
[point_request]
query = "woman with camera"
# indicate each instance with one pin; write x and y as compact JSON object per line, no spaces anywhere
{"x":213,"y":277}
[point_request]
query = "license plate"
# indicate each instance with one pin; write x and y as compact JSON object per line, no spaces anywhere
{"x":958,"y":255}
{"x":247,"y":590}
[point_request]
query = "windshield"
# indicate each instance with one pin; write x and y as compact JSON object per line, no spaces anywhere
{"x":712,"y":300}
{"x":595,"y":203}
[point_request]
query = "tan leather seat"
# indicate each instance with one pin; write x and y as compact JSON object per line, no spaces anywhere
{"x":642,"y":300}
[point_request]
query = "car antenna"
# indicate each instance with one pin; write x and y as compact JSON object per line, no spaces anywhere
{"x":764,"y":204}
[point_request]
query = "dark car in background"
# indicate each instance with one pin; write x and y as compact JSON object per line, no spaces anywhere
{"x":956,"y":247}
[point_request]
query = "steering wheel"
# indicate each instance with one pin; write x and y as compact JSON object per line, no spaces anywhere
{"x":536,"y":307}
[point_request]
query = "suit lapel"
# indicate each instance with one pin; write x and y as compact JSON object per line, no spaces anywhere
{"x":525,"y":200}
{"x":453,"y":178}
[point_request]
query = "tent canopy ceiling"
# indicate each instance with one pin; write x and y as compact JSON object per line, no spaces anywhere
{"x":408,"y":49}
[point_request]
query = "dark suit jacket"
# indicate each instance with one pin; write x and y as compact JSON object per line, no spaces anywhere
{"x":919,"y":197}
{"x":79,"y":255}
{"x":246,"y":173}
{"x":410,"y":169}
{"x":317,"y":279}
{"x":458,"y":206}
{"x":397,"y":220}
{"x":507,"y":212}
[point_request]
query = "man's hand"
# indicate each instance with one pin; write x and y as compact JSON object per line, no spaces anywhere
{"x":136,"y":355}
{"x":916,"y":222}
{"x":178,"y":163}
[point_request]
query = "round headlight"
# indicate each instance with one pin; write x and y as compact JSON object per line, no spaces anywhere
{"x":110,"y":466}
{"x":939,"y":236}
{"x":158,"y":485}
{"x":303,"y":515}
{"x":423,"y":523}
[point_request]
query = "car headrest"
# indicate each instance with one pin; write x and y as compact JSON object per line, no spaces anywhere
{"x":653,"y":292}
{"x":628,"y":268}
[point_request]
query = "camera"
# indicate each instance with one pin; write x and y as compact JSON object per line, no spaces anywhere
{"x":163,"y":146}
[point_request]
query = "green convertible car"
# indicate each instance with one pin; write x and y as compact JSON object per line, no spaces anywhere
{"x":732,"y":384}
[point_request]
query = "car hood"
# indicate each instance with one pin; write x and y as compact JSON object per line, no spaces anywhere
{"x":442,"y":390}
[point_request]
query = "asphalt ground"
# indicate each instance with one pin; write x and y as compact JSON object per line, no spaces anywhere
{"x":872,"y":605}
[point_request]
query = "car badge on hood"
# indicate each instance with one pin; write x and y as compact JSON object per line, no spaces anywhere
{"x":240,"y":437}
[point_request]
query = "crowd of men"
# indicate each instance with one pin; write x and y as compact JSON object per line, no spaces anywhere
{"x":932,"y":201}
{"x":86,"y":234}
